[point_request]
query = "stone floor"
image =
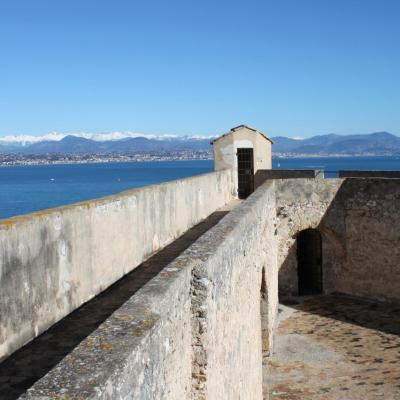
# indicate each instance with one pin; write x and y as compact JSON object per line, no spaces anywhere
{"x":27,"y":365}
{"x":335,"y":347}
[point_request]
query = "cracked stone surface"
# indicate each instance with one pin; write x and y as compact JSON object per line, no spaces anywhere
{"x":335,"y":347}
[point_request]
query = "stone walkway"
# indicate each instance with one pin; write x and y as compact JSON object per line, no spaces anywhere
{"x":335,"y":347}
{"x":27,"y":365}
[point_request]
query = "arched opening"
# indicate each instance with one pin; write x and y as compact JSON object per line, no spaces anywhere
{"x":264,"y":316}
{"x":309,"y":262}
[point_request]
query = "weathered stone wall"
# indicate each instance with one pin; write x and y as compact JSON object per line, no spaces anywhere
{"x":366,"y":214}
{"x":264,"y":174}
{"x":199,"y":328}
{"x":226,"y":290}
{"x":192,"y":332}
{"x":53,"y":261}
{"x":142,"y":351}
{"x":358,"y":220}
{"x":301,"y":204}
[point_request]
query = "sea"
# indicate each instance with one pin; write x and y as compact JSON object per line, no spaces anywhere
{"x":25,"y":189}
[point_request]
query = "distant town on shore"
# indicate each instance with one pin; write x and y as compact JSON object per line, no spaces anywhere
{"x":20,"y":150}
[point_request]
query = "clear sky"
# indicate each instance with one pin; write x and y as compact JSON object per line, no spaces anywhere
{"x":287,"y":67}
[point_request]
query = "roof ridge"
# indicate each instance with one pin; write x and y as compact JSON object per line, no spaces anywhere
{"x":234,"y":129}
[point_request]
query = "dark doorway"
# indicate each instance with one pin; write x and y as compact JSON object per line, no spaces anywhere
{"x":245,"y":172}
{"x":264,"y":315}
{"x":309,"y":259}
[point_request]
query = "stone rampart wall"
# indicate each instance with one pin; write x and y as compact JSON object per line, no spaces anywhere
{"x":300,"y":204}
{"x":193,"y":331}
{"x":366,"y":214}
{"x":358,"y":220}
{"x":265,"y":174}
{"x":198,"y":329}
{"x":142,"y":351}
{"x":53,"y":261}
{"x":226,"y":302}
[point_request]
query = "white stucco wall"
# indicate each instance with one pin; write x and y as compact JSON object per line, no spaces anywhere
{"x":225,"y":149}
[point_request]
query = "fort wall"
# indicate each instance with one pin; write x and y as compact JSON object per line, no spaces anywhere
{"x":358,"y":220}
{"x":226,"y":287}
{"x":267,"y":174}
{"x":193,"y":331}
{"x":199,"y":328}
{"x":365,"y":214}
{"x":301,"y":204}
{"x":53,"y":261}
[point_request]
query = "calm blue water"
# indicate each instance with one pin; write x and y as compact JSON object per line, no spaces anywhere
{"x":24,"y":189}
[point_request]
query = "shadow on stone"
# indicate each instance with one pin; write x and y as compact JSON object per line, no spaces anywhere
{"x":379,"y":316}
{"x":30,"y":363}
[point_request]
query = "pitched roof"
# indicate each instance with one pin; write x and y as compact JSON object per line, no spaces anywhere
{"x":236,"y":128}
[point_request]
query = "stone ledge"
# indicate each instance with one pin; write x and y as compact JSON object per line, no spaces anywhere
{"x":369,"y":174}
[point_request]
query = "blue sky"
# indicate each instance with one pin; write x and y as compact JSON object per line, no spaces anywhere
{"x":288,"y":67}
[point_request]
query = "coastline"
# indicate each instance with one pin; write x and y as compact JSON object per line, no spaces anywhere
{"x":14,"y":160}
{"x":44,"y":161}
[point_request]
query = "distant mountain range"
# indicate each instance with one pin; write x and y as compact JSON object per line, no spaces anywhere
{"x":379,"y":143}
{"x":128,"y":145}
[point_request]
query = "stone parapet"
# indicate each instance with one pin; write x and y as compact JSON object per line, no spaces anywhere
{"x":53,"y":261}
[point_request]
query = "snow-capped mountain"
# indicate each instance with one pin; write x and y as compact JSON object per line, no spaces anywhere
{"x":25,"y":140}
{"x":379,"y":143}
{"x":118,"y":142}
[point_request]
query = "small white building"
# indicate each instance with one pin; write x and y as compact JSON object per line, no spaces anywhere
{"x":245,"y":149}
